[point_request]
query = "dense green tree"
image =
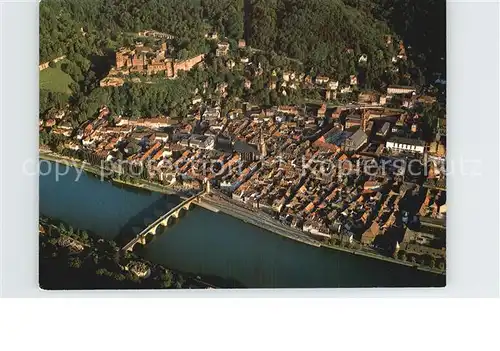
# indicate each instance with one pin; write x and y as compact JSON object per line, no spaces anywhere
{"x":432,"y":263}
{"x":315,"y":36}
{"x":75,"y":262}
{"x":319,"y":33}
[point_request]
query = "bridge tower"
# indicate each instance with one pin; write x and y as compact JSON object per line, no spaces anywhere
{"x":207,"y":186}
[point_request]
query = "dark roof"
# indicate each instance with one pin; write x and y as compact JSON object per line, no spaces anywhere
{"x":197,"y":140}
{"x":355,"y":116}
{"x":385,"y":127}
{"x":433,"y":222}
{"x":242,"y":147}
{"x":357,"y":139}
{"x":401,"y":87}
{"x":407,"y":141}
{"x":223,"y":144}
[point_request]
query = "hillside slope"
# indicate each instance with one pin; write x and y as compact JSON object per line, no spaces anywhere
{"x":320,"y":33}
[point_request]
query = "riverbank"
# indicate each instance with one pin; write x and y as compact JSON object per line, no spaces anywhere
{"x":205,"y":244}
{"x":70,"y":258}
{"x":270,"y":224}
{"x":256,"y":218}
{"x":138,"y":183}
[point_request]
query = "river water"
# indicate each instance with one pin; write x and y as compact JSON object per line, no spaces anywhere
{"x":214,"y":244}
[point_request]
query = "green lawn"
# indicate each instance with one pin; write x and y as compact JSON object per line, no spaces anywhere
{"x":55,"y":80}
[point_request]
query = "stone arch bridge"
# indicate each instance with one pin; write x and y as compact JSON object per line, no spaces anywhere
{"x":163,"y":221}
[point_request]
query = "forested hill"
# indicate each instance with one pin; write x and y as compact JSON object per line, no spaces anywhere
{"x":420,"y":23}
{"x":85,"y":27}
{"x":317,"y":32}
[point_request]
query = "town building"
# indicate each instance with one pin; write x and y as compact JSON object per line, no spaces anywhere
{"x":399,"y":144}
{"x":345,"y":90}
{"x":155,"y":34}
{"x":202,"y":142}
{"x":322,"y":80}
{"x":148,"y":61}
{"x":353,"y":80}
{"x":427,"y":240}
{"x":153,"y":123}
{"x":222,"y":49}
{"x":367,"y":97}
{"x":333,"y":85}
{"x":356,"y":141}
{"x":246,"y":151}
{"x":399,"y":89}
{"x":322,"y":111}
{"x":384,"y":130}
{"x":353,"y":120}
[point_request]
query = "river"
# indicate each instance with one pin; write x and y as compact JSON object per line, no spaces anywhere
{"x":207,"y":243}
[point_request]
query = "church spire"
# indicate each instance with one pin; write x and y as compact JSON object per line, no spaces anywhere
{"x":263,"y":148}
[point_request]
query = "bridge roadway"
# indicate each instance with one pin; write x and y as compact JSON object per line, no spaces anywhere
{"x":162,"y":221}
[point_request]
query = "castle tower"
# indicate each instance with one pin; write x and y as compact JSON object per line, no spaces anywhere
{"x":121,"y":59}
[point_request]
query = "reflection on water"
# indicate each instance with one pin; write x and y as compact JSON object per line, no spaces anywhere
{"x":208,"y":243}
{"x":215,"y":244}
{"x":90,"y":203}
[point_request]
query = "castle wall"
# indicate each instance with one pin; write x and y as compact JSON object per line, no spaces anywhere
{"x":186,"y":65}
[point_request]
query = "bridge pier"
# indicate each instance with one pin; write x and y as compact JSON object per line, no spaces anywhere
{"x":165,"y":222}
{"x":152,"y":230}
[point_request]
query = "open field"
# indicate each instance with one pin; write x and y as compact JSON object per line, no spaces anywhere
{"x":54,"y":79}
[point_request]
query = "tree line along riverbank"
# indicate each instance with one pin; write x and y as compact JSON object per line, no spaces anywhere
{"x":74,"y":259}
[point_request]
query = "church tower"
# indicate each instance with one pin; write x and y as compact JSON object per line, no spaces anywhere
{"x":263,"y":147}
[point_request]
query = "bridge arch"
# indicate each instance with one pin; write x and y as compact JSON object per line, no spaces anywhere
{"x":188,"y":206}
{"x":177,"y":213}
{"x":165,"y":222}
{"x":137,"y":246}
{"x":148,"y":237}
{"x":151,"y":231}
